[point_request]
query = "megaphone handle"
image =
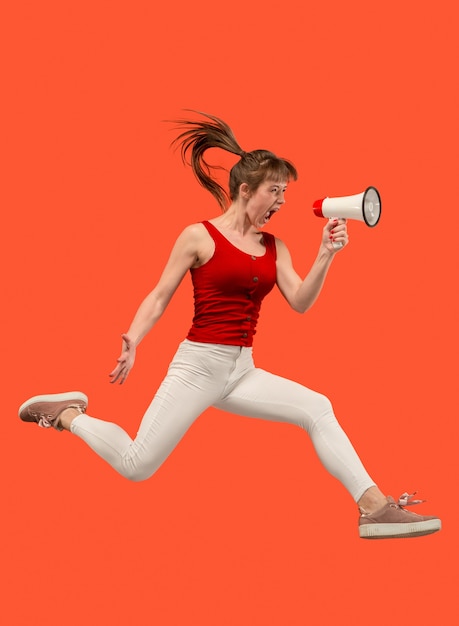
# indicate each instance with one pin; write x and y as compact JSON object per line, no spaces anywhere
{"x":336,"y":244}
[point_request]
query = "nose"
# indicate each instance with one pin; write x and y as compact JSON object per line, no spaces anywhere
{"x":281,"y":197}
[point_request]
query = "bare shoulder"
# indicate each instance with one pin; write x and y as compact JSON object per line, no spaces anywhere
{"x":196,"y":241}
{"x":281,"y":248}
{"x":284,"y":261}
{"x":194,"y":232}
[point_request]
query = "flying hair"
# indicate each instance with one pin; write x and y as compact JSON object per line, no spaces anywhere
{"x":253,"y":167}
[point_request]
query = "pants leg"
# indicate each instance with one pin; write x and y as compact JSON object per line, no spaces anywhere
{"x":196,"y":378}
{"x":253,"y":392}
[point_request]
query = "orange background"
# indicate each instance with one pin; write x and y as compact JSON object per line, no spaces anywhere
{"x":241,"y":526}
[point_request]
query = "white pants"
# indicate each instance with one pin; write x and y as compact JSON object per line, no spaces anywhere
{"x":203,"y":375}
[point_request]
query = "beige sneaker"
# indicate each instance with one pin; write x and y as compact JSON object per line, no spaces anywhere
{"x":45,"y":410}
{"x":393,"y":521}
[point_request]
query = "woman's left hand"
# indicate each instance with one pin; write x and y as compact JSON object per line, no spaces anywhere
{"x":335,"y":232}
{"x":125,"y":362}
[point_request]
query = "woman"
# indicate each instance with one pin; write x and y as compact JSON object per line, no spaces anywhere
{"x":233,"y":264}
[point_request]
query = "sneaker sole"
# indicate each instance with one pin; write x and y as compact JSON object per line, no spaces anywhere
{"x":396,"y":531}
{"x":53,"y":397}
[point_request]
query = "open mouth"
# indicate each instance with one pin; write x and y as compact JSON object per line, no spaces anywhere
{"x":269,"y":215}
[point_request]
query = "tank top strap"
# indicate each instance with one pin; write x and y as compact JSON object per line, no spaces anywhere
{"x":213,"y":230}
{"x":270,"y":243}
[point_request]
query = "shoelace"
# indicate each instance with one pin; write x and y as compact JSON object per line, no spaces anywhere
{"x":47,"y":421}
{"x":44,"y":421}
{"x":406,"y":499}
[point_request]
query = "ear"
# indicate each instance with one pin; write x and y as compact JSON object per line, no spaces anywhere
{"x":244,"y":191}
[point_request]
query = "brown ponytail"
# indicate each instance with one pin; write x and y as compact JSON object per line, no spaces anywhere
{"x":253,"y":168}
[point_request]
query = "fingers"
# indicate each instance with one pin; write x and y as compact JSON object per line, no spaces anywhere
{"x":338,"y":232}
{"x":330,"y":224}
{"x":120,"y":373}
{"x":114,"y":375}
{"x":125,"y":361}
{"x":119,"y":376}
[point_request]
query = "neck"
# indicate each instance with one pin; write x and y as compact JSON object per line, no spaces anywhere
{"x":235,"y":218}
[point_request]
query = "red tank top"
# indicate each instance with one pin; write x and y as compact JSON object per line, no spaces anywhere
{"x":228,"y":291}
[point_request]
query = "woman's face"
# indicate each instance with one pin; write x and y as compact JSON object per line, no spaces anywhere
{"x":263,"y":203}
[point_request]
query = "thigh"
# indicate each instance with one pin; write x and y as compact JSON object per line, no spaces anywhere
{"x":268,"y":396}
{"x":195,"y":380}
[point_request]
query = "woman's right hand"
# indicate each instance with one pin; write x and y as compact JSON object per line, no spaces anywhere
{"x":125,"y":362}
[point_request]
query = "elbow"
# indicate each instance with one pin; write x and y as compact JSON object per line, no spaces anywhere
{"x":300,"y":308}
{"x":157,"y":308}
{"x":301,"y":305}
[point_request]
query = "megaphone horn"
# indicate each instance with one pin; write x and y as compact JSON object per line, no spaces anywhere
{"x":365,"y":206}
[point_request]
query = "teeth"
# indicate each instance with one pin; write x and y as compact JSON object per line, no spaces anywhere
{"x":269,"y":215}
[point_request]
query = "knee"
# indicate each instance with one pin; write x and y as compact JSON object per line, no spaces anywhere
{"x":136,"y":474}
{"x":137,"y":466}
{"x":323,"y":405}
{"x":319,"y":410}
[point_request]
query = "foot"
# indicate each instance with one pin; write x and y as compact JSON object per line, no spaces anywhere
{"x":45,"y":410}
{"x":394,"y":521}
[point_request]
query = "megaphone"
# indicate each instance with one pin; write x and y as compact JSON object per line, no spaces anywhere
{"x":365,"y":206}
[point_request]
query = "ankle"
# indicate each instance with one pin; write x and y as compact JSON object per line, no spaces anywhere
{"x":372,"y":500}
{"x":67,"y":416}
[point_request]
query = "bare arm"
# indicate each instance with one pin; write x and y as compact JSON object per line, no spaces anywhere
{"x":301,"y":294}
{"x":183,"y":256}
